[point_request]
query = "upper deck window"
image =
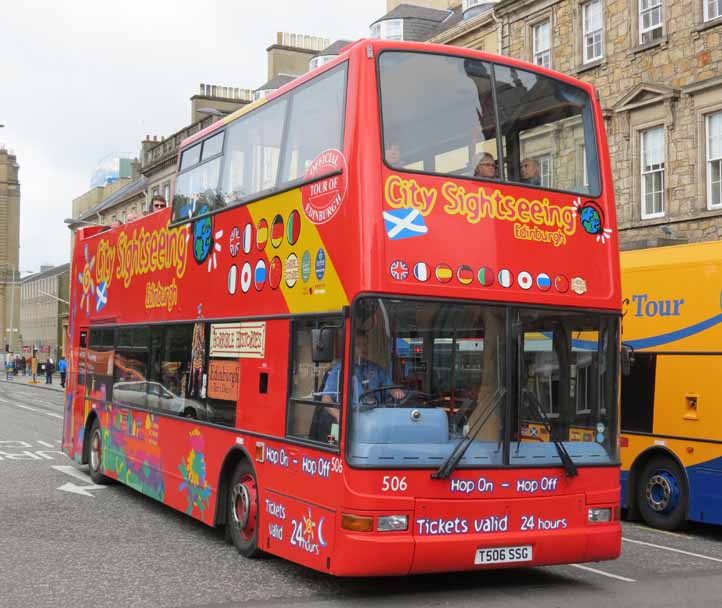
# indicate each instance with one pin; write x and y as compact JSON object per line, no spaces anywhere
{"x":264,"y":150}
{"x":455,"y":131}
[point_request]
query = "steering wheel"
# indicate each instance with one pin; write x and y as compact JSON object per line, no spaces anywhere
{"x":381,"y":389}
{"x":402,"y":402}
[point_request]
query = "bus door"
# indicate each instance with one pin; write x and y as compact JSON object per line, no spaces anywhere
{"x":75,"y":407}
{"x":304,"y":479}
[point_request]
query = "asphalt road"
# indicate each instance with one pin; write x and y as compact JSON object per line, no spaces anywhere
{"x":110,"y":546}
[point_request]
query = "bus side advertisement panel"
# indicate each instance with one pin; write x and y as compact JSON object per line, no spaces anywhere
{"x":266,"y":256}
{"x":510,"y":242}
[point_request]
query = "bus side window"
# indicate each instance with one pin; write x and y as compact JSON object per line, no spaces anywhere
{"x":314,"y":403}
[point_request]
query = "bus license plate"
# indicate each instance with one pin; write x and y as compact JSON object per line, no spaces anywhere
{"x":503,"y":555}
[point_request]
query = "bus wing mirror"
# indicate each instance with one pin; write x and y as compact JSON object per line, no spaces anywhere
{"x":627,"y":360}
{"x":322,"y":344}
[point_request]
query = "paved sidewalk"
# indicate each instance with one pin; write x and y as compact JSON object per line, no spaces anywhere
{"x":40,"y":382}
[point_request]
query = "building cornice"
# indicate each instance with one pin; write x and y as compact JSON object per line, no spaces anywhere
{"x":464,"y":27}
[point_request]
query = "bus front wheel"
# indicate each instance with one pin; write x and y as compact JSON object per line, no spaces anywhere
{"x":242,"y":516}
{"x":662,"y":495}
{"x":95,"y":450}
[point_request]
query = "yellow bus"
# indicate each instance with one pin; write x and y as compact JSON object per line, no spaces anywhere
{"x":671,"y":394}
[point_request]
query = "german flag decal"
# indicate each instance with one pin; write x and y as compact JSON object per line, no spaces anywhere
{"x":465,"y":275}
{"x":277,"y":231}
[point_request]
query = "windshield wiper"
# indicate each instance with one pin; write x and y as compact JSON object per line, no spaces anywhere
{"x":448,"y":466}
{"x":569,"y":467}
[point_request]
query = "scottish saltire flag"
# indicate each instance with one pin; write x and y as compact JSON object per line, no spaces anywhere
{"x":101,"y":298}
{"x":404,"y":224}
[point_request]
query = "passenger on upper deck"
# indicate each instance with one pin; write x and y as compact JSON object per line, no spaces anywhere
{"x":529,"y":170}
{"x":486,"y":168}
{"x":158,"y":203}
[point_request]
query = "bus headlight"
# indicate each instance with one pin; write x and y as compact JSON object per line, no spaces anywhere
{"x":392,"y":523}
{"x":599,"y":516}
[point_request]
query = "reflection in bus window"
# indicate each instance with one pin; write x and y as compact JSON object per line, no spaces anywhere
{"x":197,"y":190}
{"x":446,"y":132}
{"x":315,"y":123}
{"x":546,"y":125}
{"x":544,"y":122}
{"x":253,"y":145}
{"x":316,"y":390}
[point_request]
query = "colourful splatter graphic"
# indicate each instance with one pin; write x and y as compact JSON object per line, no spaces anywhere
{"x":193,"y":470}
{"x":130,"y":449}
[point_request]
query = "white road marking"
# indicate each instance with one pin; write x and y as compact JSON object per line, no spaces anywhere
{"x":72,"y":471}
{"x":656,"y":531}
{"x":673,"y":550}
{"x":601,"y":572}
{"x":24,"y":407}
{"x":32,"y":409}
{"x":74,"y":488}
{"x":82,"y":490}
{"x":45,"y":443}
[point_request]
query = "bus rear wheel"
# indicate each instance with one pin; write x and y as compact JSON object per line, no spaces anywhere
{"x":95,"y":450}
{"x":662,"y":495}
{"x":242,"y":514}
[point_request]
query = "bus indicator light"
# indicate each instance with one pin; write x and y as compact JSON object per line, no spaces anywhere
{"x":357,"y":523}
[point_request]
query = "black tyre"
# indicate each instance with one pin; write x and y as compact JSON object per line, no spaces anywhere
{"x":95,"y":448}
{"x":189,"y":412}
{"x":242,"y":512}
{"x":662,"y":494}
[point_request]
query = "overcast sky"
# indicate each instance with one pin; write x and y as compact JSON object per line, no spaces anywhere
{"x":81,"y":79}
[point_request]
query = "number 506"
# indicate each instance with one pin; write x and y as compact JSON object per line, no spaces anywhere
{"x":393,"y":483}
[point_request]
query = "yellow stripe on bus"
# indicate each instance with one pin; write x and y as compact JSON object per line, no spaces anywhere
{"x":312,"y":294}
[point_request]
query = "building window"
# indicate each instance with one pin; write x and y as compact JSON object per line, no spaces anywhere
{"x":541,"y":44}
{"x":320,"y":60}
{"x":390,"y":29}
{"x":714,"y":160}
{"x":545,"y":170}
{"x":592,"y":29}
{"x":712,"y":9}
{"x":650,"y":20}
{"x":652,"y":172}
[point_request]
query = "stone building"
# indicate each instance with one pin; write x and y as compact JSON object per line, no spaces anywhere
{"x":44,"y":312}
{"x":657,"y":65}
{"x":9,"y":249}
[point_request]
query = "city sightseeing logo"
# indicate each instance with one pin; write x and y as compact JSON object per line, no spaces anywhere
{"x":307,"y":535}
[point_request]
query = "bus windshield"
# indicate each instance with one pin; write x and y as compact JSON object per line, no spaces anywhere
{"x":426,"y":374}
{"x":486,"y":121}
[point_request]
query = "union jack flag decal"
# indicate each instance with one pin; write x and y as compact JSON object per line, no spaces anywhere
{"x":399,"y":270}
{"x":235,"y":241}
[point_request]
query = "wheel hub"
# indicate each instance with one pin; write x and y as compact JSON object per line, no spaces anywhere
{"x":244,"y":506}
{"x":95,"y":451}
{"x":662,"y":492}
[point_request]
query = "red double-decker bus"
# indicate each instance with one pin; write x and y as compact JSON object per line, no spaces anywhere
{"x":378,"y":331}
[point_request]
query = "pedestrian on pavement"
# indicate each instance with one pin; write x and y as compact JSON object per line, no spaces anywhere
{"x":9,"y":369}
{"x":49,"y":372}
{"x":63,"y":369}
